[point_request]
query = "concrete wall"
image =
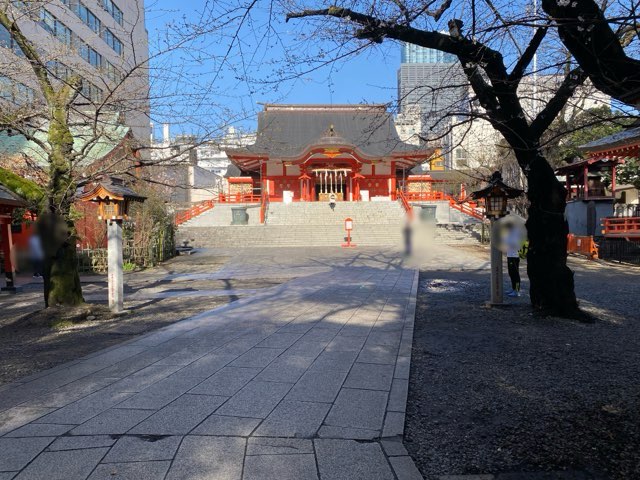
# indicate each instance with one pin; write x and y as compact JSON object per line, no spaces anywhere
{"x":585,"y":217}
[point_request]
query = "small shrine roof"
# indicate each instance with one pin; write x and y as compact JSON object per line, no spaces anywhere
{"x":7,"y":197}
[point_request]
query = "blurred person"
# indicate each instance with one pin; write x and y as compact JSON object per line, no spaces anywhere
{"x":36,"y":253}
{"x":513,"y":242}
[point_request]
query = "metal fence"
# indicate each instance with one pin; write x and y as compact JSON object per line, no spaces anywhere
{"x":620,"y":250}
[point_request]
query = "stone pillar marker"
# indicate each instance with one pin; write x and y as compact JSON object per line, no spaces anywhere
{"x":497,"y":287}
{"x":115,"y":266}
{"x":113,"y":198}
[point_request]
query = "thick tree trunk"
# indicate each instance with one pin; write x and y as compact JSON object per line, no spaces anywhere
{"x":62,"y":280}
{"x":552,"y":286}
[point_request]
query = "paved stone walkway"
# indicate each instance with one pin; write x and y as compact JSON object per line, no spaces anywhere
{"x":307,"y":380}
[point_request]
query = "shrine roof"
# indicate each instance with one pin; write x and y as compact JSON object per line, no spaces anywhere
{"x":7,"y":197}
{"x":286,"y":131}
{"x":98,"y":142}
{"x":626,"y":138}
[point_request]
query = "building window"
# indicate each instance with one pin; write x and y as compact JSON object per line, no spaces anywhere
{"x":112,"y":72}
{"x":15,"y":92}
{"x":59,"y":70}
{"x":7,"y":41}
{"x":91,"y":92}
{"x":55,"y":27}
{"x":110,"y":39}
{"x":90,"y":55}
{"x":113,"y":10}
{"x":94,"y":23}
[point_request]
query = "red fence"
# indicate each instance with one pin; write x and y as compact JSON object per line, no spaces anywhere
{"x":238,"y":198}
{"x":405,"y":203}
{"x":621,"y":227}
{"x":468,"y":208}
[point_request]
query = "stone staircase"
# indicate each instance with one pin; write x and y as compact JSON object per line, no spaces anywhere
{"x":319,"y":213}
{"x":311,"y":224}
{"x":450,"y":234}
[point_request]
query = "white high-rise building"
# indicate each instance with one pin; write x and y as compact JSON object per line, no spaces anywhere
{"x":103,"y":41}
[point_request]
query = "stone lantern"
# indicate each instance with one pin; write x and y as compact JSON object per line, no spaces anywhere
{"x":113,"y":198}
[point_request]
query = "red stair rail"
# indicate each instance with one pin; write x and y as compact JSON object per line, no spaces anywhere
{"x":468,"y":208}
{"x":405,"y":204}
{"x":194,"y":211}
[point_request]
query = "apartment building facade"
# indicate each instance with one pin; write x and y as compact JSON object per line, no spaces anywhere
{"x":103,"y":41}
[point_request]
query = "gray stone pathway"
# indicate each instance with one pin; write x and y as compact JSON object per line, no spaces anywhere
{"x":307,"y":380}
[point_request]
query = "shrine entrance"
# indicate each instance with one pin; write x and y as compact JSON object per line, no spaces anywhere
{"x":330,"y":181}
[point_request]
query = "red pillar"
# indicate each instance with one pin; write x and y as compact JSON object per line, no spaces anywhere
{"x":613,"y":181}
{"x":7,"y":248}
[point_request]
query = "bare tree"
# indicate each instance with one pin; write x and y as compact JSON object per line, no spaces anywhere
{"x":483,"y":54}
{"x":71,"y":103}
{"x":597,"y":42}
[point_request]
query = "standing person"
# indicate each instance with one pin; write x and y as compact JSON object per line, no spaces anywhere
{"x":513,"y":243}
{"x":37,"y":255}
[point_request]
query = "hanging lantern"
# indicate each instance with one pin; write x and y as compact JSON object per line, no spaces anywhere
{"x":496,"y":194}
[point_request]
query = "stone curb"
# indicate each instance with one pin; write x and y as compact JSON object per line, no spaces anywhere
{"x":393,"y":431}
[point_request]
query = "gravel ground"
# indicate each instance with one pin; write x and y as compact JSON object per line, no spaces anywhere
{"x":28,"y":346}
{"x":497,"y":391}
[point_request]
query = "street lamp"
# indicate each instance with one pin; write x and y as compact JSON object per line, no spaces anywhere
{"x":495,"y":195}
{"x":113,"y":198}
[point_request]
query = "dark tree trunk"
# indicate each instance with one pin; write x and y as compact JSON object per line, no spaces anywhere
{"x":552,"y":286}
{"x":61,"y":278}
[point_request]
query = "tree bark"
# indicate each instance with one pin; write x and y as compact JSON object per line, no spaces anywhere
{"x":62,"y":280}
{"x":551,"y":280}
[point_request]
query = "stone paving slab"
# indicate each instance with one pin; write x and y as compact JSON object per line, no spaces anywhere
{"x":303,"y":381}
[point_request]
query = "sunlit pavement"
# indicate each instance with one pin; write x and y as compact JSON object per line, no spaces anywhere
{"x":301,"y":381}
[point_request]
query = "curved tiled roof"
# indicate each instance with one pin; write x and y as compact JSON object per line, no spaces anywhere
{"x":624,"y":138}
{"x":285,"y":131}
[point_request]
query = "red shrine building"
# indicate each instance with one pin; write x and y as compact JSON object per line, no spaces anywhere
{"x":315,"y":153}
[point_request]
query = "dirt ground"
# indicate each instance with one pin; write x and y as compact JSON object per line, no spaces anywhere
{"x":31,"y":341}
{"x":501,"y":391}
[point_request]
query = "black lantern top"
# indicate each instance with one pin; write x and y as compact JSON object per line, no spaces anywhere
{"x":496,"y":194}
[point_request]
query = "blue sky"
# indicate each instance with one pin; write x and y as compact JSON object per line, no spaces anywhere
{"x":369,"y":77}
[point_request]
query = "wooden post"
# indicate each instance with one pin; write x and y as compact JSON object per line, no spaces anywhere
{"x":613,"y":181}
{"x":585,"y":181}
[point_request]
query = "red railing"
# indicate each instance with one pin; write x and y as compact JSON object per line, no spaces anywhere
{"x":621,"y":227}
{"x":194,"y":211}
{"x":468,"y":208}
{"x":582,"y":245}
{"x":239,"y":198}
{"x":405,"y":203}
